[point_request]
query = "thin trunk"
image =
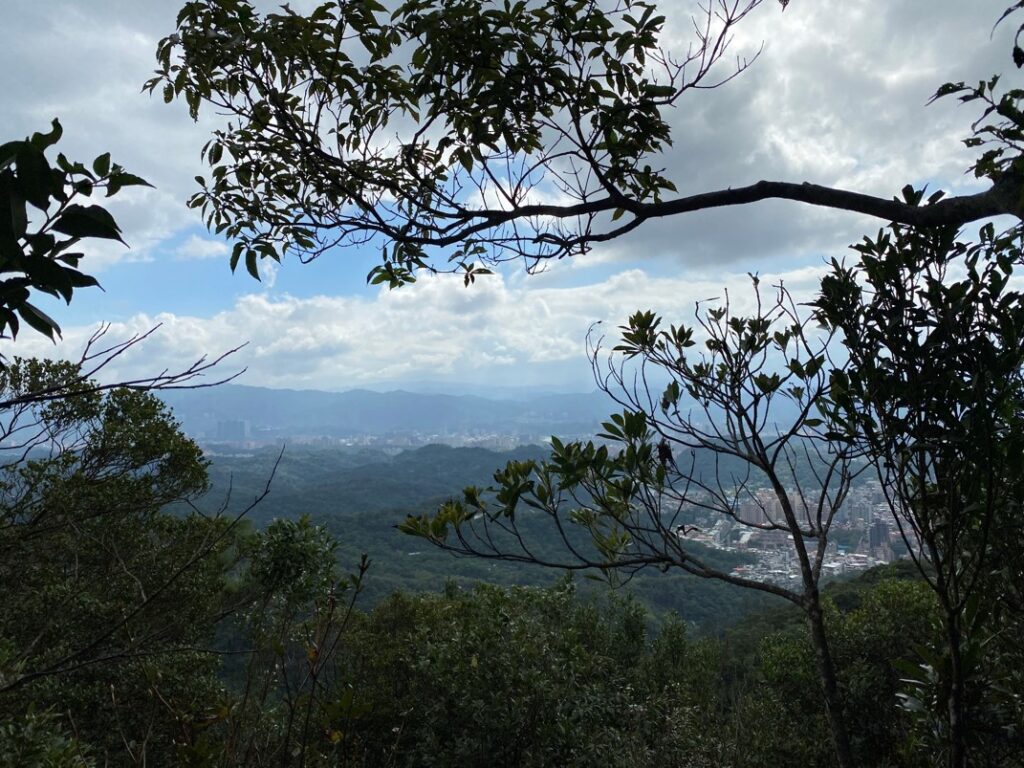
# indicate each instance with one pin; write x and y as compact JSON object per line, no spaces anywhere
{"x":812,"y":608}
{"x":957,"y":724}
{"x":947,"y":587}
{"x":829,"y":683}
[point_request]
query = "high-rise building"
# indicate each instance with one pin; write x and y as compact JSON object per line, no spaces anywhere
{"x":233,"y":431}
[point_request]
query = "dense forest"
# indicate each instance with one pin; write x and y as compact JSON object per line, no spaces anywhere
{"x":444,"y":606}
{"x":181,"y":638}
{"x":361,"y":496}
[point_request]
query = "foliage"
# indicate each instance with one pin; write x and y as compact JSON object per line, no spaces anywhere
{"x":782,"y":718}
{"x":111,"y":606}
{"x":43,"y":222}
{"x":628,"y":495}
{"x":621,"y":506}
{"x":933,"y":395}
{"x":112,"y":614}
{"x":465,"y":132}
{"x":93,"y":572}
{"x":37,"y":741}
{"x":524,"y":677}
{"x":42,"y":254}
{"x":288,"y":628}
{"x":488,"y":676}
{"x":359,"y":495}
{"x":435,"y":131}
{"x":999,"y":130}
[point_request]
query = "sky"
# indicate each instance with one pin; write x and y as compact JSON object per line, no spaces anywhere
{"x":838,"y":96}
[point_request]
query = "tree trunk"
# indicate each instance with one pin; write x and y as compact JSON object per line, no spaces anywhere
{"x":957,"y":724}
{"x":829,"y":683}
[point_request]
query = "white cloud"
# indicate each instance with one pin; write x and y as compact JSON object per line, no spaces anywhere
{"x":85,"y":64}
{"x":197,"y":248}
{"x":436,"y":329}
{"x":838,"y":97}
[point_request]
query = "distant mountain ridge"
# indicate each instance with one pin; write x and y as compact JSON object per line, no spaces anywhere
{"x":362,"y":412}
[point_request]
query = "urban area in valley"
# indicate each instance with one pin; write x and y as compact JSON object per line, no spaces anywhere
{"x":863,"y":533}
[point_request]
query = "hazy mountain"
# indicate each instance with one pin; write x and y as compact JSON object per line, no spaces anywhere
{"x":362,"y":412}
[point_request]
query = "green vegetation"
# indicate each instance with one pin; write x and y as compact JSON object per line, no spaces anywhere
{"x":361,"y":496}
{"x":138,"y":628}
{"x":621,"y":508}
{"x":42,"y":255}
{"x":932,"y":396}
{"x":184,"y":638}
{"x":569,"y":99}
{"x":188,"y":639}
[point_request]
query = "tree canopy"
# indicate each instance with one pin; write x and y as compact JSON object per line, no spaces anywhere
{"x":466,"y":132}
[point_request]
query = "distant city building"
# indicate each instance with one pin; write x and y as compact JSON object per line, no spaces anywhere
{"x":878,"y":534}
{"x":880,"y":541}
{"x":233,"y":431}
{"x":760,"y":508}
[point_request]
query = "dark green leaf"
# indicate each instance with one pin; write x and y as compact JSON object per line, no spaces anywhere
{"x":120,"y":179}
{"x":101,"y":165}
{"x":250,"y":264}
{"x":42,"y":141}
{"x":49,"y":276}
{"x":91,"y":221}
{"x":38,"y":319}
{"x":33,"y":174}
{"x":18,"y":214}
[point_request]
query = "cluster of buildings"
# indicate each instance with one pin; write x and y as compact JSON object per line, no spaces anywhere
{"x":242,"y":434}
{"x":862,"y":535}
{"x":862,"y":532}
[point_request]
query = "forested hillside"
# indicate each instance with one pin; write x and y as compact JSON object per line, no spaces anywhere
{"x":362,"y":495}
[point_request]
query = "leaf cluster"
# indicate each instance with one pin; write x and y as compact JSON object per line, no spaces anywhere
{"x":44,"y":222}
{"x":432,"y":129}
